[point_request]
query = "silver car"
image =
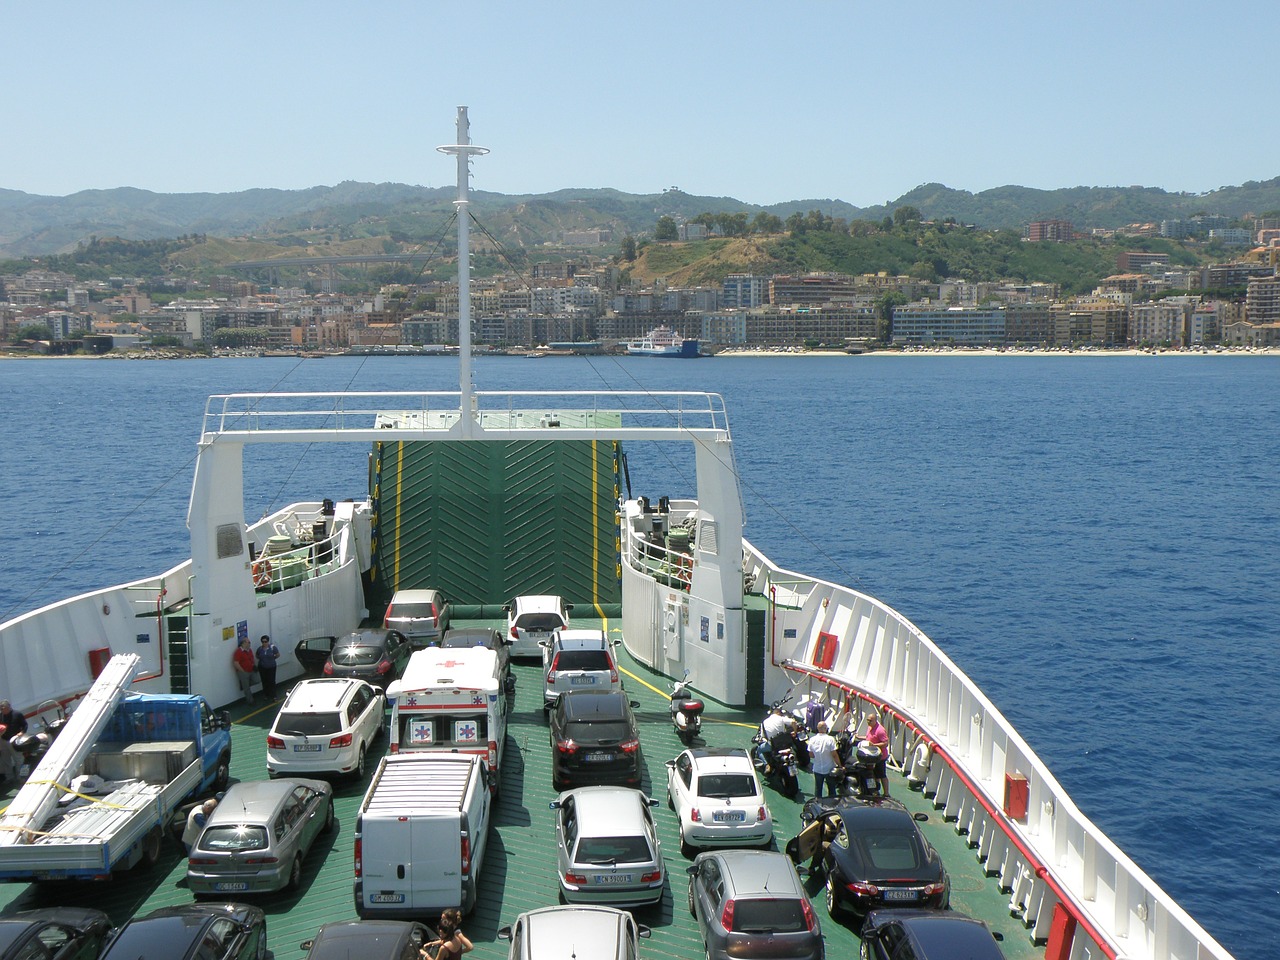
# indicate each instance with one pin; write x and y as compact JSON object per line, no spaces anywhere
{"x":608,"y":849}
{"x":255,"y":840}
{"x":570,"y":932}
{"x":751,"y":903}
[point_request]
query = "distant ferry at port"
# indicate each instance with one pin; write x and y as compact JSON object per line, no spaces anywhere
{"x":662,"y":341}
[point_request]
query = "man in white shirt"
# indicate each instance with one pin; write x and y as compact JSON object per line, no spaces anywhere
{"x":826,"y":759}
{"x":776,"y":727}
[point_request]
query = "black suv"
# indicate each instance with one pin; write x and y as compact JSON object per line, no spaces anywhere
{"x":594,"y":740}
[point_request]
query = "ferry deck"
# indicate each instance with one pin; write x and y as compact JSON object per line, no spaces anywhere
{"x":519,"y":869}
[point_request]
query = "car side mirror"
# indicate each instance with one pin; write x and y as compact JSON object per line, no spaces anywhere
{"x":691,"y":870}
{"x":305,"y":944}
{"x":504,"y":933}
{"x":643,"y":932}
{"x":922,"y":817}
{"x":634,"y":703}
{"x":554,"y":804}
{"x":670,"y":764}
{"x":652,"y":801}
{"x":224,"y":718}
{"x":802,"y":871}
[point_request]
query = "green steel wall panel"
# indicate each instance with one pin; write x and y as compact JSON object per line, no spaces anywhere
{"x":487,"y":520}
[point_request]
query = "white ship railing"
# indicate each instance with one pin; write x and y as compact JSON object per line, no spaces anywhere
{"x":1068,"y":881}
{"x":270,"y":417}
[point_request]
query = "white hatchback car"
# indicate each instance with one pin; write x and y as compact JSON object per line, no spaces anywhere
{"x":531,"y":619}
{"x":326,"y":726}
{"x":717,"y":797}
{"x":578,"y":660}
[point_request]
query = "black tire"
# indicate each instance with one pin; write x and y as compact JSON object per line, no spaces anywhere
{"x":152,"y":844}
{"x":835,"y":909}
{"x":295,"y":873}
{"x":686,"y":851}
{"x":222,"y":776}
{"x":358,"y":772}
{"x":328,"y":817}
{"x":693,"y":909}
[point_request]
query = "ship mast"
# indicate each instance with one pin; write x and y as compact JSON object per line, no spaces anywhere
{"x":464,"y":150}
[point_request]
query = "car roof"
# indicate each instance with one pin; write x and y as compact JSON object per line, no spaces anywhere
{"x":577,"y":930}
{"x":473,"y":635}
{"x":326,"y":693}
{"x":364,"y":637}
{"x":877,"y":816}
{"x":752,"y":873}
{"x":371,"y":939}
{"x":415,"y":596}
{"x":595,"y":705}
{"x":943,"y":934}
{"x":581,"y":639}
{"x":720,"y":760}
{"x":159,"y":932}
{"x":613,"y":808}
{"x":534,"y":602}
{"x":251,"y":801}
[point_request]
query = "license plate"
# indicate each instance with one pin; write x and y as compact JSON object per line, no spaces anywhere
{"x":729,"y":816}
{"x":614,"y":878}
{"x":229,"y":887}
{"x":582,"y":681}
{"x":306,"y":748}
{"x":597,"y":758}
{"x":891,"y":894}
{"x":386,"y":898}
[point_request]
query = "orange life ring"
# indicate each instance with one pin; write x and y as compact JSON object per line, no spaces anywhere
{"x":262,"y":573}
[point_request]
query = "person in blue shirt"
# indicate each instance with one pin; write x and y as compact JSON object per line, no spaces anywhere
{"x":268,"y":655}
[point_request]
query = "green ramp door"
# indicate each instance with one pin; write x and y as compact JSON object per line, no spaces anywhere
{"x":488,"y":520}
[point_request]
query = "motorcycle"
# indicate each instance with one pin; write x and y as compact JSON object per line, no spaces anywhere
{"x":686,"y":712}
{"x":860,"y":760}
{"x":783,"y":760}
{"x":32,"y":745}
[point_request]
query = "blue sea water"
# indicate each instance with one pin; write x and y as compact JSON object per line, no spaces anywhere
{"x":1092,"y":539}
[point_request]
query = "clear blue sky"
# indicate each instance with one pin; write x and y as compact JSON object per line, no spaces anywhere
{"x":763,"y":102}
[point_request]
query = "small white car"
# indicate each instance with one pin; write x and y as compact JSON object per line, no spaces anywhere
{"x":609,"y":850}
{"x":578,"y":660}
{"x":420,"y":615}
{"x":326,"y":726}
{"x":717,"y":798}
{"x":531,"y":619}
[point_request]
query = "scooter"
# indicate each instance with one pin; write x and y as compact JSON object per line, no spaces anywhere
{"x":860,"y":771}
{"x":781,"y":770}
{"x":34,"y":743}
{"x":686,"y":712}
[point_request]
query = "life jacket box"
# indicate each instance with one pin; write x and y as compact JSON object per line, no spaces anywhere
{"x":1016,"y":796}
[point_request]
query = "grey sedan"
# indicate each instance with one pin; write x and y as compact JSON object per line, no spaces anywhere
{"x":255,"y":840}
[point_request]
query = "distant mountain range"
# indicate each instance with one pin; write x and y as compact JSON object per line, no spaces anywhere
{"x":32,"y":225}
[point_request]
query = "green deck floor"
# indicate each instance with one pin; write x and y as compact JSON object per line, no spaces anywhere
{"x":519,"y":869}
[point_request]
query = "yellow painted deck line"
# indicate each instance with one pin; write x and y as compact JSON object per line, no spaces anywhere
{"x":395,"y":570}
{"x":663,"y":693}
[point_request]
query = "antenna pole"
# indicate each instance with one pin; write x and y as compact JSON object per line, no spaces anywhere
{"x":464,"y":150}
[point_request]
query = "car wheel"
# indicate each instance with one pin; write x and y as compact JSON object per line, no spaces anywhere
{"x":358,"y":772}
{"x":151,"y":847}
{"x":834,"y":908}
{"x":670,"y":803}
{"x":693,"y":907}
{"x":222,"y":776}
{"x":328,"y":817}
{"x":685,"y":850}
{"x":295,"y":873}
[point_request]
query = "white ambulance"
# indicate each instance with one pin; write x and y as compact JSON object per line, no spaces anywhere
{"x":451,"y":701}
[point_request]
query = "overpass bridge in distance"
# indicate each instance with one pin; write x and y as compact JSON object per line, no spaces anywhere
{"x":330,"y":265}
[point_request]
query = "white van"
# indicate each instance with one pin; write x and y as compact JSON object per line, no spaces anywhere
{"x":421,"y":835}
{"x":451,"y":700}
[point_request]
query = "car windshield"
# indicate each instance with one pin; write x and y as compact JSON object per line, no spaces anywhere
{"x":582,"y":660}
{"x":601,"y":730}
{"x":768,"y":916}
{"x":891,"y":850}
{"x":356,"y":655}
{"x":727,"y":785}
{"x":602,"y":850}
{"x":234,"y":837}
{"x":539,"y":621}
{"x":308,"y":724}
{"x":411,"y":611}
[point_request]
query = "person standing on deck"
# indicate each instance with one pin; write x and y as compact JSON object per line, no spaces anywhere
{"x":878,"y":736}
{"x":268,"y":654}
{"x":12,"y":722}
{"x":244,"y":664}
{"x":826,"y":761}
